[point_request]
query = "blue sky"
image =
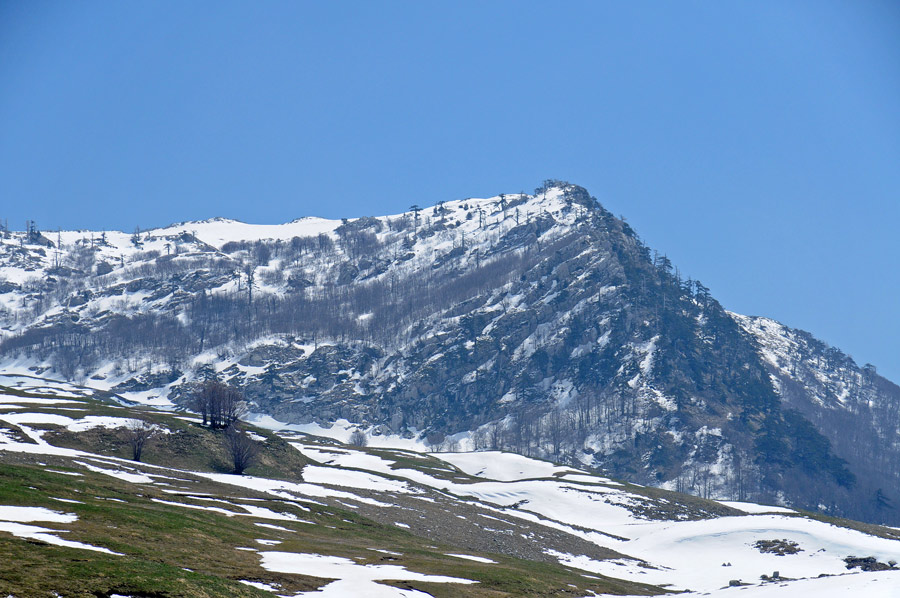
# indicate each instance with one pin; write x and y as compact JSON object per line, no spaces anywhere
{"x":755,"y":143}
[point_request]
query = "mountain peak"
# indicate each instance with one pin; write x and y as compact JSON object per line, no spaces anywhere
{"x":534,"y":323}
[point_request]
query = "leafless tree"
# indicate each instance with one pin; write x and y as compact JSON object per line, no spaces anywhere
{"x":557,"y":429}
{"x":138,"y":433}
{"x":434,"y":440}
{"x":495,"y":437}
{"x":242,"y":449}
{"x":480,"y":440}
{"x":358,"y":438}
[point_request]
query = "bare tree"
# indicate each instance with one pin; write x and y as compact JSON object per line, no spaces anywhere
{"x":557,"y":430}
{"x":358,"y":438}
{"x":242,"y":449}
{"x":250,"y":271}
{"x":480,"y":440}
{"x":495,"y":436}
{"x":138,"y":433}
{"x":434,"y":440}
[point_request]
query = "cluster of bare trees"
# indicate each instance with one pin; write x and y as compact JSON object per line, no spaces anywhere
{"x":221,"y":405}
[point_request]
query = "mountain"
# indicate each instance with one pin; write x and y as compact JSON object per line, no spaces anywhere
{"x":534,"y":323}
{"x":316,"y":517}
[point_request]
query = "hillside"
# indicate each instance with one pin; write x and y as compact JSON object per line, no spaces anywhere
{"x":317,"y":517}
{"x":533,"y":323}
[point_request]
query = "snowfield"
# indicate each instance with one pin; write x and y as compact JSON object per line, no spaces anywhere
{"x":350,"y":578}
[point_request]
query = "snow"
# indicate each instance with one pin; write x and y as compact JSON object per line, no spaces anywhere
{"x":882,"y":584}
{"x":150,"y":398}
{"x":264,"y":513}
{"x":353,"y":479}
{"x":503,"y":467}
{"x":260,"y":586}
{"x":211,"y":509}
{"x":72,"y":473}
{"x":16,"y":374}
{"x":29,"y":514}
{"x":12,"y":519}
{"x":100,"y":421}
{"x":37,"y":418}
{"x":283,"y":489}
{"x":648,"y":349}
{"x":75,"y":425}
{"x":352,"y":579}
{"x":341,"y":430}
{"x":32,"y":532}
{"x":562,"y":501}
{"x":346,"y":458}
{"x":469,"y":557}
{"x":686,"y":554}
{"x":691,"y":554}
{"x":13,"y":401}
{"x":275,"y":527}
{"x":249,"y":511}
{"x":278,"y":488}
{"x":37,"y":446}
{"x":589,"y":479}
{"x":134,"y":478}
{"x":752,"y":508}
{"x":218,"y":231}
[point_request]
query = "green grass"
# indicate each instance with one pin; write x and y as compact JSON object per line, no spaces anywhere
{"x":159,"y":543}
{"x":32,"y":570}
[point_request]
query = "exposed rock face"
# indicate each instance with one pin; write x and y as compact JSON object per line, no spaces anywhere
{"x":539,"y":323}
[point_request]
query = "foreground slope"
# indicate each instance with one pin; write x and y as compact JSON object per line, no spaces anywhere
{"x":533,"y":323}
{"x":78,"y":519}
{"x":316,"y":517}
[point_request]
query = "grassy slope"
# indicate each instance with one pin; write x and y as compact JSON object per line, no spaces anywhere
{"x":159,"y":542}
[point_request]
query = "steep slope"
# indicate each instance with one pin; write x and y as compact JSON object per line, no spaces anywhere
{"x":857,"y":410}
{"x":539,"y":324}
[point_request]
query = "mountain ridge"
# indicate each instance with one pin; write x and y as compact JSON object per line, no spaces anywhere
{"x":511,"y":320}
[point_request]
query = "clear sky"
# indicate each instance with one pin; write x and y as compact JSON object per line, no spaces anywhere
{"x":755,"y":143}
